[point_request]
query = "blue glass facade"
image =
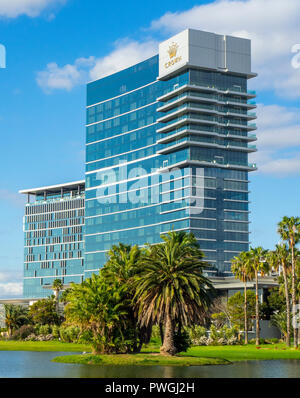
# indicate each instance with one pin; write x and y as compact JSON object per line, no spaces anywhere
{"x":168,"y":154}
{"x":54,"y":238}
{"x":165,"y":150}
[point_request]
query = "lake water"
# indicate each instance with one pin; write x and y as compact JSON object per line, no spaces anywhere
{"x":27,"y":364}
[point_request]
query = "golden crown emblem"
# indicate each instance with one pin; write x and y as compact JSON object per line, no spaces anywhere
{"x":173,"y":50}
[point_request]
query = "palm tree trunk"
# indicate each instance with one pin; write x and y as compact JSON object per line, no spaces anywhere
{"x":56,"y":293}
{"x":256,"y":308}
{"x":168,"y":347}
{"x":245,"y":314}
{"x":287,"y":300}
{"x":294,"y":294}
{"x":161,"y":332}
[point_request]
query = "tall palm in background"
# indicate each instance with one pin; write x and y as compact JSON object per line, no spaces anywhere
{"x":258,"y":265}
{"x":171,"y":286}
{"x":57,"y":286}
{"x":289,"y":230}
{"x":240,"y":267}
{"x":279,"y":258}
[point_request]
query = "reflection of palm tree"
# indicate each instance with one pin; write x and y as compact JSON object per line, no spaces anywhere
{"x":242,"y":271}
{"x":258,"y":265}
{"x":57,"y":286}
{"x":171,"y":286}
{"x":280,"y":258}
{"x":289,"y":230}
{"x":15,"y":316}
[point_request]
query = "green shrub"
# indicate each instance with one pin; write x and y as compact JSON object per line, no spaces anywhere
{"x":155,"y":334}
{"x":261,"y":341}
{"x":55,"y":331}
{"x":196,"y":332}
{"x":182,"y":341}
{"x":273,"y":341}
{"x":85,"y":337}
{"x":44,"y":330}
{"x":69,"y":334}
{"x":23,"y":332}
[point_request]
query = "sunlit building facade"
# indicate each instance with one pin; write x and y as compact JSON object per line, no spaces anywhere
{"x":54,"y":237}
{"x":167,"y":144}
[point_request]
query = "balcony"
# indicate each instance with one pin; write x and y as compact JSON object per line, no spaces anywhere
{"x":209,"y":142}
{"x":209,"y":109}
{"x":210,"y":89}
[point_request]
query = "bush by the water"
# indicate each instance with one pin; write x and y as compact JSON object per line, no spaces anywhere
{"x":222,"y":336}
{"x":23,"y":332}
{"x":69,"y":334}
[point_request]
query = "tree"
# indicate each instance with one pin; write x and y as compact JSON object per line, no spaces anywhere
{"x":280,"y":321}
{"x":98,"y":307}
{"x":43,"y":312}
{"x":258,"y":264}
{"x":280,"y":258}
{"x":236,"y":309}
{"x":122,"y":266}
{"x":289,"y":230}
{"x":57,"y":286}
{"x":15,"y":317}
{"x":171,"y":287}
{"x":240,"y":267}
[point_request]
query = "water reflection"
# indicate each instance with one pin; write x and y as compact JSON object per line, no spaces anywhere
{"x":26,"y":364}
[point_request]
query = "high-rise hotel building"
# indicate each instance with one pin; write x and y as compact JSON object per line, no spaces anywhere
{"x":53,"y":234}
{"x":167,"y":144}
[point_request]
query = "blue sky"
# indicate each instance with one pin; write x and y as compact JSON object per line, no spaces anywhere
{"x":55,"y":46}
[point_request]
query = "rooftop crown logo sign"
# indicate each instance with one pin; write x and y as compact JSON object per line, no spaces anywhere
{"x":172,"y":51}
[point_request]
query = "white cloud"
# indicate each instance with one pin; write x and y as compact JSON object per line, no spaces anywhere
{"x":125,"y":54}
{"x":278,"y":140}
{"x":31,"y":8}
{"x":272,"y":25}
{"x":65,"y":77}
{"x":11,"y":289}
{"x":282,"y":167}
{"x":10,"y":284}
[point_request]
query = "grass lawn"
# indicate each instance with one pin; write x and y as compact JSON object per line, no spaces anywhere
{"x":244,"y":353}
{"x":202,"y":355}
{"x":43,"y":346}
{"x":139,"y":359}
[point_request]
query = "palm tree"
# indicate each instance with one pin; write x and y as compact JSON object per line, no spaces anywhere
{"x":289,"y":230}
{"x":15,"y":316}
{"x":122,"y":264}
{"x":258,"y":265}
{"x":98,"y":307}
{"x":242,"y":271}
{"x":121,"y":267}
{"x":57,"y":286}
{"x":171,"y":287}
{"x":280,"y":258}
